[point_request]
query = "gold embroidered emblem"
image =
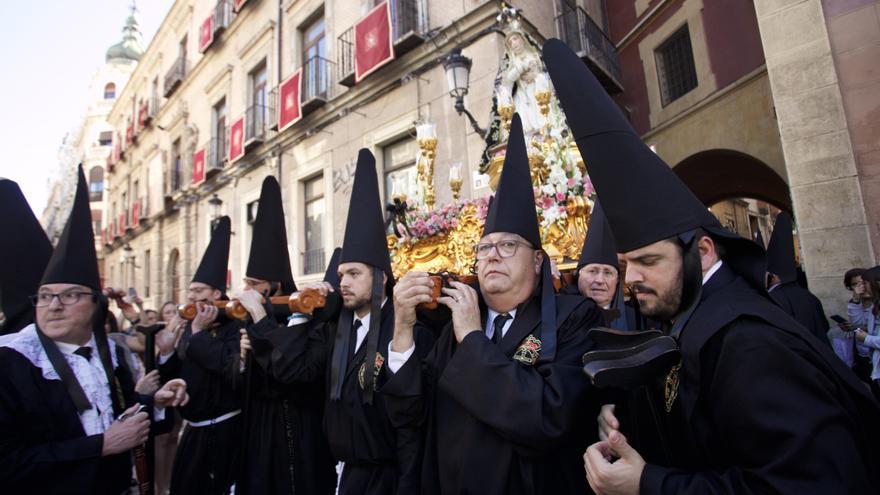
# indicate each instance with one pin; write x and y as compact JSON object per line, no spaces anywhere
{"x":528,"y":351}
{"x":671,"y":388}
{"x":377,"y":367}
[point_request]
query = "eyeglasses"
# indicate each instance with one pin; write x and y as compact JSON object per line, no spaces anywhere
{"x":44,"y":299}
{"x":603,"y":272}
{"x":506,"y":248}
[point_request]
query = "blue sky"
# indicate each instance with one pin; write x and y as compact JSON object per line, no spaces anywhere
{"x":50,"y":51}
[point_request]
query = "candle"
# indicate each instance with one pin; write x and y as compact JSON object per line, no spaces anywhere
{"x":426,"y":130}
{"x":455,"y":171}
{"x":541,"y":82}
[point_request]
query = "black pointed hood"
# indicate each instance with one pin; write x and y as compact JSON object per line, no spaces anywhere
{"x":331,"y":275}
{"x":644,"y":200}
{"x":269,"y":258}
{"x":599,"y":246}
{"x":24,"y":256}
{"x":74,"y":260}
{"x":365,"y":240}
{"x":513,"y":207}
{"x":780,"y":250}
{"x":213,"y":267}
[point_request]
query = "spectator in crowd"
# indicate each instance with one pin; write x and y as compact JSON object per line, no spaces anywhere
{"x":860,"y":310}
{"x":869,"y":335}
{"x":841,"y":336}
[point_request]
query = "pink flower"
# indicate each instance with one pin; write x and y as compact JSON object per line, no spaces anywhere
{"x":560,"y":196}
{"x":571,"y":182}
{"x":546,"y":202}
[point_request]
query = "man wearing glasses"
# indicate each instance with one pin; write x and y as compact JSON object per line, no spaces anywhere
{"x":501,"y":395}
{"x":69,"y":415}
{"x":206,"y":357}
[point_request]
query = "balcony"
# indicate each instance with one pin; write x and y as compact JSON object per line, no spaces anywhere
{"x":175,"y":76}
{"x":409,"y":24}
{"x":258,"y":121}
{"x":223,"y":16}
{"x":313,"y":261}
{"x":317,"y":83}
{"x":216,"y":149}
{"x":578,"y":30}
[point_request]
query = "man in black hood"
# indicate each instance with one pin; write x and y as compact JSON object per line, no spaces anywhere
{"x":284,"y":448}
{"x":783,"y":286}
{"x":24,"y":256}
{"x":500,"y":395}
{"x":757,"y":404}
{"x":206,"y":357}
{"x":69,"y":414}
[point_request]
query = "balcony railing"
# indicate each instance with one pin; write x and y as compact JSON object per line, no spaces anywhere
{"x":317,"y":83}
{"x":217,"y":153}
{"x":223,"y":15}
{"x":259,"y":121}
{"x":313,"y":261}
{"x":409,"y":23}
{"x":578,"y":30}
{"x":345,"y":57}
{"x":175,"y":75}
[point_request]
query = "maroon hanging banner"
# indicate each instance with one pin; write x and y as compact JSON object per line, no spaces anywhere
{"x":290,"y":110}
{"x":236,"y":140}
{"x":198,"y":167}
{"x":206,"y":33}
{"x":135,"y":213}
{"x":373,"y":46}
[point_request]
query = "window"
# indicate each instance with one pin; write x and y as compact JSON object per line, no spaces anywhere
{"x":258,"y":114}
{"x":96,"y":221}
{"x":105,"y":138}
{"x":399,"y":160}
{"x":675,"y":66}
{"x":109,"y":91}
{"x":218,"y":135}
{"x":147,"y":273}
{"x":313,"y":194}
{"x":316,"y":74}
{"x":96,"y":183}
{"x":176,"y":165}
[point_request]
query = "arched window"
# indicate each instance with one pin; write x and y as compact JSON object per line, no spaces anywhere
{"x":109,"y":91}
{"x":96,"y":183}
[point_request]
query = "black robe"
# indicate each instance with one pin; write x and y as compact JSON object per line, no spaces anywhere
{"x":497,"y":425}
{"x":285,"y":450}
{"x":206,"y":456}
{"x":761,"y":406}
{"x":379,"y":458}
{"x":804,"y":307}
{"x":43,"y":446}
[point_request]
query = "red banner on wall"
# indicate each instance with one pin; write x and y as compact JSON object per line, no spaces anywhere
{"x":373,"y":46}
{"x":198,"y":167}
{"x":206,"y":33}
{"x":236,"y":140}
{"x":289,"y":112}
{"x":135,"y":213}
{"x":122,"y":222}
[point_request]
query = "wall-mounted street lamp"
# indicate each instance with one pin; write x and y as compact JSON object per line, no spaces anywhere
{"x":458,"y":71}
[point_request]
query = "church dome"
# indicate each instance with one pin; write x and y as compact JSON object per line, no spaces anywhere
{"x":129,"y":49}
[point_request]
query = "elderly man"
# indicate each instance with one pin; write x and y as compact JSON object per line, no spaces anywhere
{"x":69,"y":415}
{"x":207,"y":357}
{"x":757,"y":404}
{"x":501,"y":394}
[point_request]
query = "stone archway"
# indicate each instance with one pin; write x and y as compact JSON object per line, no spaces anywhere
{"x":719,"y":174}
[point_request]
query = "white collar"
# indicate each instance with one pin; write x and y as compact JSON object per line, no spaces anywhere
{"x":711,"y":271}
{"x":69,"y":349}
{"x":493,"y":314}
{"x":365,"y":321}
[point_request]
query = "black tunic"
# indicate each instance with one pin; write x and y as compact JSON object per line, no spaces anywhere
{"x":206,"y":457}
{"x":494,"y":424}
{"x":762,"y":406}
{"x":43,"y":446}
{"x":285,"y":450}
{"x":379,"y":458}
{"x":804,"y":307}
